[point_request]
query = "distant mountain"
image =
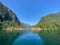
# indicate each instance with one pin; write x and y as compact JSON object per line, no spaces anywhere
{"x":50,"y":22}
{"x":7,"y":17}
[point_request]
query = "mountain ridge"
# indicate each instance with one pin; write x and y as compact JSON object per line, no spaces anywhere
{"x":8,"y":18}
{"x":50,"y":22}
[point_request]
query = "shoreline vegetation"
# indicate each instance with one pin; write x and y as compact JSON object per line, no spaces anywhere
{"x":32,"y":29}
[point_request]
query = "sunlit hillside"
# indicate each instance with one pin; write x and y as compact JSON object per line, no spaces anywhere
{"x":50,"y":22}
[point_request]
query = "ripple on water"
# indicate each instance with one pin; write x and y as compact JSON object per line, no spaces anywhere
{"x":28,"y":39}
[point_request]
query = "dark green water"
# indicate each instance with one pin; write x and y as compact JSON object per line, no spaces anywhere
{"x":28,"y":38}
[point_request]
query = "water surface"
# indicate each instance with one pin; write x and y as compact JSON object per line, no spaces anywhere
{"x":28,"y":38}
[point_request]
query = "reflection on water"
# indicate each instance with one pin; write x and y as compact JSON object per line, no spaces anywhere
{"x":28,"y":38}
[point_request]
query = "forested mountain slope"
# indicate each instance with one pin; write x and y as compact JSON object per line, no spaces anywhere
{"x":8,"y":18}
{"x":50,"y":22}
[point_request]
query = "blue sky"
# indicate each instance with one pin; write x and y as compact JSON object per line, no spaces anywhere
{"x":30,"y":11}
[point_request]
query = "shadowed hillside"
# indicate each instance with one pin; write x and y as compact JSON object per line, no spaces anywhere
{"x":8,"y":18}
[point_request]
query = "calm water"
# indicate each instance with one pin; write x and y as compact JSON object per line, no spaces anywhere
{"x":28,"y":38}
